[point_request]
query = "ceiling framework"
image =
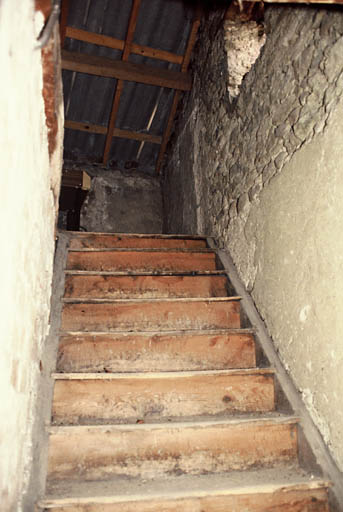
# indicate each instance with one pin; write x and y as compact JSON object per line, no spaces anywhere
{"x":125,"y":71}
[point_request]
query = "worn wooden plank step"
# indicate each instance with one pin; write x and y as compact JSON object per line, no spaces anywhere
{"x":137,"y":235}
{"x":99,"y":286}
{"x":146,"y":273}
{"x":153,"y":351}
{"x":262,"y":490}
{"x":142,"y":250}
{"x":98,"y":240}
{"x":146,"y":260}
{"x":93,"y":398}
{"x":152,"y":314}
{"x":159,"y":450}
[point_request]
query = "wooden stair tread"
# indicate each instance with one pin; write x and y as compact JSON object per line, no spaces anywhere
{"x":153,"y":286}
{"x":175,"y":332}
{"x":143,"y":250}
{"x":264,"y":480}
{"x":158,"y":450}
{"x":81,"y":234}
{"x":145,"y":315}
{"x":129,"y":397}
{"x":156,"y":351}
{"x":142,"y":260}
{"x":161,"y":375}
{"x":113,"y":240}
{"x":198,"y":422}
{"x":157,"y":273}
{"x":76,"y":300}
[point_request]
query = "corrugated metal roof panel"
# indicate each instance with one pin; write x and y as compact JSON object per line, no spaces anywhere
{"x":161,"y":24}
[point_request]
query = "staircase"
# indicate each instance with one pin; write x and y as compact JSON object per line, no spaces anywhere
{"x":158,"y":403}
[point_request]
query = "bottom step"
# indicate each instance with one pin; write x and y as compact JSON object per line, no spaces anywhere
{"x":249,"y":491}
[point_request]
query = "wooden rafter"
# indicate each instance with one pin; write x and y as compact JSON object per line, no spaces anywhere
{"x":63,"y":20}
{"x":124,"y":134}
{"x":177,"y":94}
{"x":142,"y":73}
{"x":120,"y":84}
{"x":118,"y":44}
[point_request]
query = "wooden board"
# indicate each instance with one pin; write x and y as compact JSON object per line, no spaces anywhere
{"x":151,"y":315}
{"x":128,"y":398}
{"x":141,"y":73}
{"x":155,"y":352}
{"x":129,"y":260}
{"x":177,"y":95}
{"x":104,"y":241}
{"x":120,"y":83}
{"x":80,"y":234}
{"x":124,"y":287}
{"x":118,"y":44}
{"x":117,"y":132}
{"x":286,"y":499}
{"x":152,"y":451}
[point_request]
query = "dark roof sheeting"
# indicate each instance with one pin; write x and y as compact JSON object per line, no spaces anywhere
{"x":162,"y":24}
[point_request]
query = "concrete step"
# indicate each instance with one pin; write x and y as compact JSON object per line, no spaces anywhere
{"x":141,"y":259}
{"x":96,"y":398}
{"x":153,"y":351}
{"x":262,"y":490}
{"x":151,"y":315}
{"x":151,"y":451}
{"x":124,"y":287}
{"x":109,"y":240}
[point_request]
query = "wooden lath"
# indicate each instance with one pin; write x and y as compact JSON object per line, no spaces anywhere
{"x":177,"y":94}
{"x":124,"y":70}
{"x":63,"y":20}
{"x":120,"y":84}
{"x":123,"y":134}
{"x":118,"y":44}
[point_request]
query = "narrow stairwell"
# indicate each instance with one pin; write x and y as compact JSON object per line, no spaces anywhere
{"x":159,"y":404}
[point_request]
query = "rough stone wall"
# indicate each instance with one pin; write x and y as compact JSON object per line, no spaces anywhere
{"x":27,"y":213}
{"x":266,"y":173}
{"x":121,"y":202}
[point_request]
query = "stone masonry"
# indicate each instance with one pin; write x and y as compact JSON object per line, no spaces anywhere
{"x":231,"y":147}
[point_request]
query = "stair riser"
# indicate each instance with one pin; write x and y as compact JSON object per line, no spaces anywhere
{"x":151,"y":316}
{"x":130,"y":399}
{"x":140,"y":261}
{"x":113,"y":241}
{"x":152,"y":453}
{"x":283,"y":501}
{"x":135,"y":353}
{"x":123,"y":287}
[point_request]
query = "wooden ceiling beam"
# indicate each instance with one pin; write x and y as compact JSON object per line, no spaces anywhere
{"x":177,"y":94}
{"x":63,"y":20}
{"x":118,"y":44}
{"x":102,"y":66}
{"x":123,"y":134}
{"x":120,"y":83}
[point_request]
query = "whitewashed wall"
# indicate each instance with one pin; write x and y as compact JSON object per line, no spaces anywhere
{"x":27,"y":218}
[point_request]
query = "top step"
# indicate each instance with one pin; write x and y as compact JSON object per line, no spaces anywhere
{"x":81,"y":240}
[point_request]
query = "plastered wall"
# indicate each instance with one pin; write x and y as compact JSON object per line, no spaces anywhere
{"x":27,"y":219}
{"x":262,"y":172}
{"x":122,"y":202}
